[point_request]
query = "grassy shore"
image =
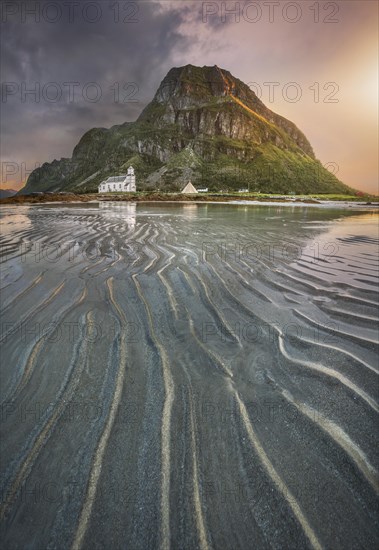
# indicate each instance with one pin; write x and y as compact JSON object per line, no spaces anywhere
{"x":178,"y":197}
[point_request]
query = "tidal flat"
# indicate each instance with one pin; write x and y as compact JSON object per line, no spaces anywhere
{"x":189,"y":376}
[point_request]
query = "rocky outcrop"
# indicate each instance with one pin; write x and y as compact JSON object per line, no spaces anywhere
{"x":5,"y":193}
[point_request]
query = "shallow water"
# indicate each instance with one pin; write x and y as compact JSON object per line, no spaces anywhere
{"x":190,"y":375}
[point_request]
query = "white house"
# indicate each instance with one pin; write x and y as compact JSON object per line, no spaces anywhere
{"x":122,"y":184}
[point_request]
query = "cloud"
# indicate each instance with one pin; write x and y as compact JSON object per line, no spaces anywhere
{"x":132,"y":46}
{"x":124,"y":60}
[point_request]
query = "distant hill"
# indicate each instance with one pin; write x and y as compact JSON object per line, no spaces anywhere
{"x":4,"y":193}
{"x":203,"y":125}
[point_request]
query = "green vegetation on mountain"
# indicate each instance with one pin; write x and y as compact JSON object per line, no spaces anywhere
{"x":202,"y":125}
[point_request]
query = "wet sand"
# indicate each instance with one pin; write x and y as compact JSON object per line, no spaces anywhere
{"x":189,"y":376}
{"x":48,"y":198}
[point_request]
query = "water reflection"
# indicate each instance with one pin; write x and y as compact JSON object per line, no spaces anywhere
{"x":119,"y":210}
{"x":190,"y":211}
{"x":12,"y":221}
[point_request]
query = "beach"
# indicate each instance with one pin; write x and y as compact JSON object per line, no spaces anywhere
{"x":189,"y":375}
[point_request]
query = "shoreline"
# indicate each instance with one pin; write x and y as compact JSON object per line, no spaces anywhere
{"x":94,"y":198}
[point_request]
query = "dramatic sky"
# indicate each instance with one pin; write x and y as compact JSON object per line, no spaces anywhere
{"x":98,"y":64}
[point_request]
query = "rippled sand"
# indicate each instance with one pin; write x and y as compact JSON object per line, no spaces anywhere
{"x":189,"y":376}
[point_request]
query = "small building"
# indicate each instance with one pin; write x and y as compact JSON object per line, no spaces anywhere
{"x":189,"y":189}
{"x":203,"y":190}
{"x":121,"y":184}
{"x":243,"y":190}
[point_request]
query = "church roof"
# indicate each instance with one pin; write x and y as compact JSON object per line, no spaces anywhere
{"x":115,"y":179}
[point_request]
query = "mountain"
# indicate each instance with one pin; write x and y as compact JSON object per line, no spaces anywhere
{"x":5,"y":193}
{"x":205,"y":125}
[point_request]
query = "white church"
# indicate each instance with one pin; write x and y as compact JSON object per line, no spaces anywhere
{"x":123,"y":184}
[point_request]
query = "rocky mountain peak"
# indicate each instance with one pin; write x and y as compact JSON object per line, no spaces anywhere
{"x":203,"y":124}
